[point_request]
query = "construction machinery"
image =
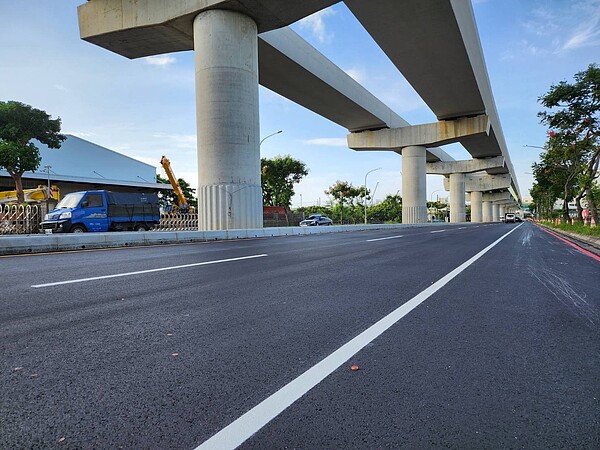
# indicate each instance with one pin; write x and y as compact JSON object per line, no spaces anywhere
{"x":38,"y":194}
{"x":183,"y":204}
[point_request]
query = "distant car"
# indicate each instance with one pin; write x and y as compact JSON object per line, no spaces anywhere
{"x":316,"y":220}
{"x":509,"y":217}
{"x":518,"y":219}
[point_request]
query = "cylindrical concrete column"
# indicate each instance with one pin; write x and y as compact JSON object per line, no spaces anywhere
{"x":495,"y":212}
{"x":476,"y":206}
{"x":457,"y":198}
{"x":501,"y":211}
{"x":226,"y":58}
{"x":414,"y":185}
{"x":487,"y":211}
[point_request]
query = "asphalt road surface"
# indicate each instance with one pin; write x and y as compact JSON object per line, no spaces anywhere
{"x":482,"y":336}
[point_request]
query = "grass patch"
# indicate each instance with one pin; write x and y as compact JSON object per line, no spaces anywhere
{"x":578,"y":228}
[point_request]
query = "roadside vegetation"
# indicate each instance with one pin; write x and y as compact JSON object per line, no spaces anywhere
{"x":577,"y":227}
{"x":568,"y":167}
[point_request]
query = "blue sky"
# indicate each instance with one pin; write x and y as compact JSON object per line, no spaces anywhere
{"x":146,"y":108}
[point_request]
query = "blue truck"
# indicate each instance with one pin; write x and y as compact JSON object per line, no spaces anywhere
{"x":101,"y":210}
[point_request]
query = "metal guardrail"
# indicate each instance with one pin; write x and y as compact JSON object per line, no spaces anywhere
{"x":21,"y":219}
{"x":177,"y":222}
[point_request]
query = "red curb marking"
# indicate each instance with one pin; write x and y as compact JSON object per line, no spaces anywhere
{"x":575,"y":246}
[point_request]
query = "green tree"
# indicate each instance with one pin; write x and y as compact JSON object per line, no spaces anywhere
{"x":278,"y":176}
{"x":345,"y":192}
{"x":169,"y":198}
{"x":558,"y":171}
{"x":573,"y":117}
{"x":19,"y":124}
{"x":388,"y":210}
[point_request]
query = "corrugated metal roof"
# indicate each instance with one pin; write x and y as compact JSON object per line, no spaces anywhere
{"x":78,"y":160}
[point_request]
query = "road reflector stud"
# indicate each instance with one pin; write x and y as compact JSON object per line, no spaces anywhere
{"x":354,"y":367}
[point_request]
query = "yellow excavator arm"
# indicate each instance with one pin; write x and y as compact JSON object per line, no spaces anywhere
{"x":183,"y":204}
{"x":31,"y":195}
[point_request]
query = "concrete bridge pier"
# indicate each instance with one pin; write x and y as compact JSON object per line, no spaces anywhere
{"x":495,"y":212}
{"x":414,"y":140}
{"x":414,"y":185}
{"x":457,"y":198}
{"x":226,"y":65}
{"x":502,"y":210}
{"x":487,"y":211}
{"x":476,"y":206}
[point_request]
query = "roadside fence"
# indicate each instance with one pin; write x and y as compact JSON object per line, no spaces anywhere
{"x":21,"y":219}
{"x":177,"y":222}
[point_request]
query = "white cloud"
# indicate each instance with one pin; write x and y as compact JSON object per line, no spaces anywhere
{"x":147,"y":160}
{"x":316,"y":24}
{"x":160,"y":60}
{"x":328,"y":142}
{"x":358,"y":74}
{"x":560,"y":30}
{"x":182,"y":141}
{"x":399,"y":95}
{"x":530,"y":49}
{"x":80,"y":134}
{"x":542,"y":22}
{"x":587,"y":34}
{"x":62,"y":88}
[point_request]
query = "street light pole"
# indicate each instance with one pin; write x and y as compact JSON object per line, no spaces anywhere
{"x":437,"y":190}
{"x":267,"y":137}
{"x":365,"y":200}
{"x":48,"y":167}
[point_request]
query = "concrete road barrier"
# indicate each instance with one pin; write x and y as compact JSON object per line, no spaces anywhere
{"x":40,"y":243}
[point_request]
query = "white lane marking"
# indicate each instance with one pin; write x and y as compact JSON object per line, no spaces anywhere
{"x":249,"y":423}
{"x":385,"y":238}
{"x":462,"y":228}
{"x":161,"y":269}
{"x":439,"y":231}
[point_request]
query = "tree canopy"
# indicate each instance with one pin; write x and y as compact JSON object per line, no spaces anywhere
{"x":344,"y":192}
{"x":569,"y":165}
{"x":278,"y":176}
{"x":19,"y":124}
{"x":169,"y":198}
{"x":388,"y":210}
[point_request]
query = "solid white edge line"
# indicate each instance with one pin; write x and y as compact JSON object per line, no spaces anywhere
{"x":385,"y":238}
{"x":439,"y":231}
{"x":238,"y":431}
{"x":161,"y":269}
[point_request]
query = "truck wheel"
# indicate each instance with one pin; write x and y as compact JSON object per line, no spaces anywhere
{"x":140,"y":227}
{"x":78,"y":229}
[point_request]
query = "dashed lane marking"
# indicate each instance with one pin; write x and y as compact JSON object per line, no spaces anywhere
{"x":385,"y":238}
{"x":139,"y":272}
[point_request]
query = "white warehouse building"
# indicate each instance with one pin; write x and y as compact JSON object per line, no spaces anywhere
{"x":82,"y":165}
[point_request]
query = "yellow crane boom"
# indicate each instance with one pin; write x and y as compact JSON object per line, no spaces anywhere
{"x":31,"y":195}
{"x":183,"y":204}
